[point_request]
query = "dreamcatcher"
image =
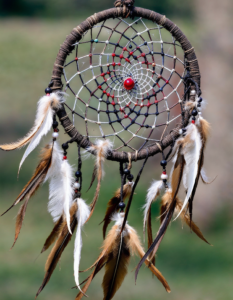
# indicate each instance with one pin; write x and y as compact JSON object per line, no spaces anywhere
{"x":134,"y":90}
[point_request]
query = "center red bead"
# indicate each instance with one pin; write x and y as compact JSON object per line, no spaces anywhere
{"x":129,"y":83}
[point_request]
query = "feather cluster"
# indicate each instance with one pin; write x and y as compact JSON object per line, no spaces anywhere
{"x":188,"y":159}
{"x":115,"y":256}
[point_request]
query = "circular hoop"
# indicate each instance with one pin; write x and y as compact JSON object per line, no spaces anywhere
{"x":123,"y":12}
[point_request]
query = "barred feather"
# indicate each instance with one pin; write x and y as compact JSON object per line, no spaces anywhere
{"x":38,"y":176}
{"x":63,"y":240}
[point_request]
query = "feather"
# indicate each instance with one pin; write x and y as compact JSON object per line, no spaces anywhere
{"x":47,"y":106}
{"x":19,"y":219}
{"x":68,"y":191}
{"x":136,"y":248}
{"x":43,"y":121}
{"x":82,"y":215}
{"x":113,"y":204}
{"x":203,"y":128}
{"x":191,"y":150}
{"x":56,"y":186}
{"x":152,"y":194}
{"x":186,"y":218}
{"x":63,"y":240}
{"x":205,"y":178}
{"x":53,"y":235}
{"x":38,"y":176}
{"x":100,"y":149}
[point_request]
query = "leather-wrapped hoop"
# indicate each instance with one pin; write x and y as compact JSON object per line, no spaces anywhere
{"x":122,"y":10}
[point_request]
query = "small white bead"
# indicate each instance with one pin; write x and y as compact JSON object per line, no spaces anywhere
{"x":76,"y":185}
{"x":55,"y":135}
{"x":193,"y":92}
{"x":164,"y":176}
{"x":180,"y":131}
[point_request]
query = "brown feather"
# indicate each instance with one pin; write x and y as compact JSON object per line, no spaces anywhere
{"x":113,"y":204}
{"x":150,"y":235}
{"x":116,"y":267}
{"x":135,"y":247}
{"x":38,"y":176}
{"x":63,"y":240}
{"x":186,"y":218}
{"x":53,"y":235}
{"x":19,"y":220}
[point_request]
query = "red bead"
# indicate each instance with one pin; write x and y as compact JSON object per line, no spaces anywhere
{"x":75,"y":191}
{"x":104,"y":92}
{"x":129,"y":83}
{"x":127,"y":60}
{"x":112,"y":96}
{"x":90,"y":55}
{"x":193,"y":121}
{"x":119,"y":64}
{"x":113,"y":64}
{"x":121,"y":109}
{"x":121,"y":56}
{"x":143,"y":54}
{"x":108,"y":94}
{"x":64,"y":157}
{"x":124,"y":49}
{"x":55,"y":130}
{"x":167,"y":81}
{"x":103,"y":74}
{"x":113,"y":103}
{"x":164,"y":172}
{"x":99,"y":87}
{"x":113,"y":54}
{"x":47,"y":94}
{"x":131,"y":53}
{"x":148,"y":104}
{"x":125,"y":116}
{"x":108,"y":72}
{"x":76,"y":58}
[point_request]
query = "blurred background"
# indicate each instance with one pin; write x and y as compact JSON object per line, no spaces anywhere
{"x":30,"y":34}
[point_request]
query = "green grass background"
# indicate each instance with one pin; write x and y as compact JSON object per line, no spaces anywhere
{"x":193,"y":269}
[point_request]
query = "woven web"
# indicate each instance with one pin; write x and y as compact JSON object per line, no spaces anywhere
{"x":111,"y":52}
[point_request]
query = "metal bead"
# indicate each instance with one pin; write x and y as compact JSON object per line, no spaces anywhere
{"x":130,"y":177}
{"x":78,"y":174}
{"x":77,"y":185}
{"x":194,"y":112}
{"x":48,"y":90}
{"x":121,"y":205}
{"x":65,"y":146}
{"x":163,"y":163}
{"x":126,"y":171}
{"x":55,"y":135}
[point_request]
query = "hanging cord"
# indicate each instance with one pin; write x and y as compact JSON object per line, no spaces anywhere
{"x":78,"y":174}
{"x":132,"y":192}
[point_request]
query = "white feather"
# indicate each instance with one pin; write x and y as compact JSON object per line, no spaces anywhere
{"x":191,"y":152}
{"x":153,"y":191}
{"x":68,"y":191}
{"x":43,"y":121}
{"x":81,"y":215}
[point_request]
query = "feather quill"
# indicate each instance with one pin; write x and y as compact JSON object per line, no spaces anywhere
{"x":38,"y":176}
{"x":100,"y":149}
{"x":46,"y":108}
{"x":82,"y":215}
{"x":63,"y":240}
{"x":113,"y":204}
